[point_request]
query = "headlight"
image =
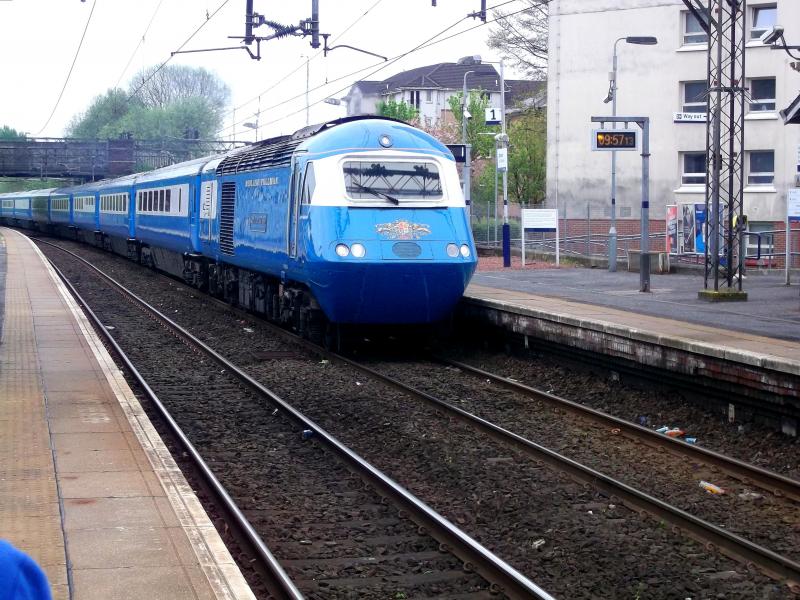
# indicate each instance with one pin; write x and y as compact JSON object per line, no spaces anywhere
{"x":452,"y":250}
{"x":342,"y":250}
{"x":358,"y":250}
{"x":465,"y":252}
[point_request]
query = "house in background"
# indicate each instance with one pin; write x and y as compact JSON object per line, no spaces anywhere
{"x":429,"y":88}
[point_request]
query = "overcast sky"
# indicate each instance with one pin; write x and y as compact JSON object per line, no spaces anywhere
{"x":38,"y":40}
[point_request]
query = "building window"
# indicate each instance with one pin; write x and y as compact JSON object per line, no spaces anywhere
{"x":694,"y":96}
{"x":764,"y":18}
{"x":762,"y":94}
{"x":413,"y":97}
{"x":693,"y":32}
{"x":694,"y":168}
{"x":761,"y":168}
{"x":428,"y":96}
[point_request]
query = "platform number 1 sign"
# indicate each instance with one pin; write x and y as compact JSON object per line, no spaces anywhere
{"x":493,"y":116}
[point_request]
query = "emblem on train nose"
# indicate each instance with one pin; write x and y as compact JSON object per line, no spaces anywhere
{"x":403,"y":230}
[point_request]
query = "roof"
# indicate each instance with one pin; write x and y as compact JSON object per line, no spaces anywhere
{"x":450,"y":76}
{"x":791,"y":115}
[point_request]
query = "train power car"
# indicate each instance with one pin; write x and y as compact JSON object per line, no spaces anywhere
{"x":355,"y":221}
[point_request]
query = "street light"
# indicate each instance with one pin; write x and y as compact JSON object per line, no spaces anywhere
{"x":639,"y":40}
{"x":465,"y":116}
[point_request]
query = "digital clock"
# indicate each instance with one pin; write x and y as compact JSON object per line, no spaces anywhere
{"x":615,"y":139}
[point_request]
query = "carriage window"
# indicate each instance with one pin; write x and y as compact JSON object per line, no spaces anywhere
{"x":401,"y":180}
{"x":161,"y":200}
{"x":309,"y":183}
{"x":167,"y":202}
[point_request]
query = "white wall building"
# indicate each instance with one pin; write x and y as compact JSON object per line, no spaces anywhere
{"x":429,"y":89}
{"x":660,"y":81}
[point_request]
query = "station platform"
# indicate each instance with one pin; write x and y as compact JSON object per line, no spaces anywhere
{"x":750,"y":348}
{"x":87,"y":487}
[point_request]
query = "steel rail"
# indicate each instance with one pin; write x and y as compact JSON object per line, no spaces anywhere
{"x":278,"y":582}
{"x":475,"y":556}
{"x":750,"y":474}
{"x":743,"y":550}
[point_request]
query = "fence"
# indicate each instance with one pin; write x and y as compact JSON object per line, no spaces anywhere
{"x":588,"y":239}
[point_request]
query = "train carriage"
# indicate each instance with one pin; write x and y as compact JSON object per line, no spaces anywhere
{"x":60,"y":210}
{"x":359,"y":220}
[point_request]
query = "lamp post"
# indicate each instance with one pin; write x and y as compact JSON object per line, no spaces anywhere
{"x":612,"y":97}
{"x":467,"y":147}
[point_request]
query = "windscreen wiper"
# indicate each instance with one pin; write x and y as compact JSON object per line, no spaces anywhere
{"x":369,"y":190}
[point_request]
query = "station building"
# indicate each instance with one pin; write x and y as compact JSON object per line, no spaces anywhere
{"x":665,"y":82}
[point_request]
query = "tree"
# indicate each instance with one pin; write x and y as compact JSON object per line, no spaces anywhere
{"x":10,"y":134}
{"x":527,"y":159}
{"x":160,"y":87}
{"x":397,"y":110}
{"x":105,"y":111}
{"x":174,"y":101}
{"x":482,"y":145}
{"x":522,"y":37}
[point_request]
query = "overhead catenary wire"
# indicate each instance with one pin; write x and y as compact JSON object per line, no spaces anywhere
{"x":139,"y":45}
{"x":381,"y":65}
{"x":299,"y":66}
{"x":71,"y":68}
{"x":189,"y":39}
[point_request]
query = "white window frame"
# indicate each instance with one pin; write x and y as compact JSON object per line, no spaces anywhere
{"x":685,"y":175}
{"x":756,"y":34}
{"x":754,"y":101}
{"x":178,"y":200}
{"x":750,"y":173}
{"x":685,"y":16}
{"x":686,"y":105}
{"x":759,"y":227}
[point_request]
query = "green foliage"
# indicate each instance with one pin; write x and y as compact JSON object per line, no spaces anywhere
{"x":175,"y":101}
{"x":397,"y":110}
{"x":12,"y":184}
{"x":10,"y":134}
{"x":482,"y":145}
{"x":527,"y":158}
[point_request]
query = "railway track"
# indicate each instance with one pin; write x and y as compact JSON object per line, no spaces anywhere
{"x":333,"y":536}
{"x":777,"y":567}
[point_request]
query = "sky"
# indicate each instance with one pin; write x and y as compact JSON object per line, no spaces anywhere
{"x":39,"y":39}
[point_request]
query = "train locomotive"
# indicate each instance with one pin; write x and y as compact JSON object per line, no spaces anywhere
{"x":360,"y":220}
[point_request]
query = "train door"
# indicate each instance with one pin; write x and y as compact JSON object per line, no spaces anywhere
{"x":208,"y":210}
{"x":294,"y":210}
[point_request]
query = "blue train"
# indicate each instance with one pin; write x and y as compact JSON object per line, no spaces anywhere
{"x":359,"y":220}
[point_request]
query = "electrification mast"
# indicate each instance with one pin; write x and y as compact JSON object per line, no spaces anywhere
{"x":724,"y":22}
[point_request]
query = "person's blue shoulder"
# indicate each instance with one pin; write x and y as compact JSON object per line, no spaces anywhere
{"x":20,"y":576}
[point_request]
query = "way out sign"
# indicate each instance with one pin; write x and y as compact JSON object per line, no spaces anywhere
{"x":541,"y":220}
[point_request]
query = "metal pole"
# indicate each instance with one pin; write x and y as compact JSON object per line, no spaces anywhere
{"x":308,"y":121}
{"x":612,"y":232}
{"x":644,"y":262}
{"x":495,"y":198}
{"x":788,"y":250}
{"x":467,"y":146}
{"x":506,"y":226}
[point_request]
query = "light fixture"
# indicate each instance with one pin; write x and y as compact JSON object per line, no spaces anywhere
{"x":385,"y":140}
{"x":452,"y":250}
{"x":641,"y":40}
{"x":358,"y":250}
{"x":342,"y":250}
{"x":465,"y":251}
{"x":773,"y":35}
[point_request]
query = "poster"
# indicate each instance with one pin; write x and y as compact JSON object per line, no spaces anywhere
{"x":672,"y":229}
{"x":687,"y":220}
{"x":699,"y":225}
